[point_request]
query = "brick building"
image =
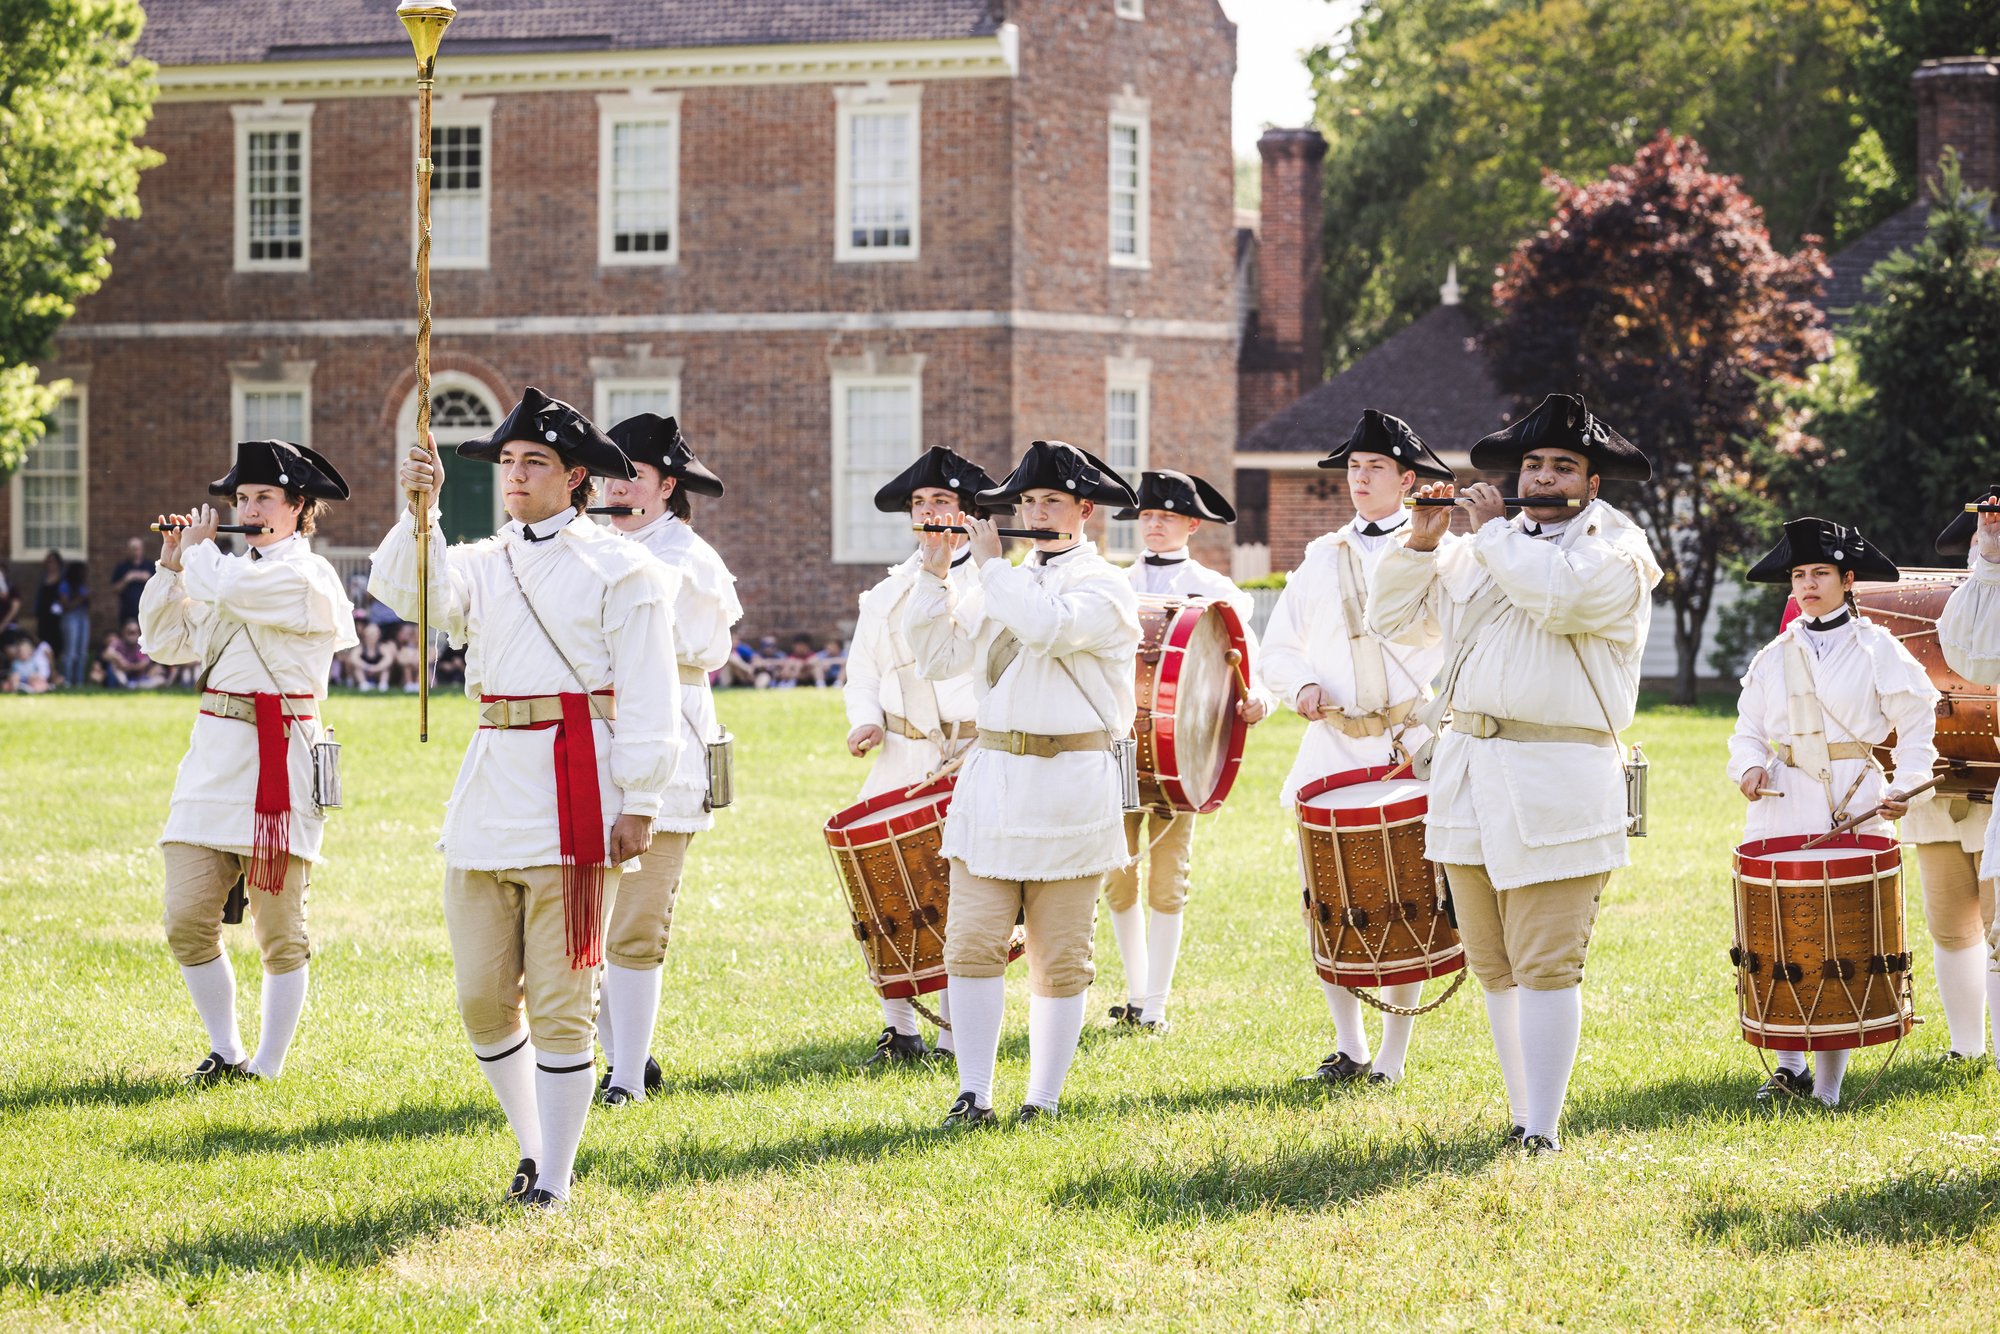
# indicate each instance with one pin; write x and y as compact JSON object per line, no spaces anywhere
{"x":826,"y":236}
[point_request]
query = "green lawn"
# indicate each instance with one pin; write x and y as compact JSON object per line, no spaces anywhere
{"x":1189,"y":1183}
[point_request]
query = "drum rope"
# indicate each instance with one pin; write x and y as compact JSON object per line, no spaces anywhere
{"x":916,"y":923}
{"x":1409,"y":1011}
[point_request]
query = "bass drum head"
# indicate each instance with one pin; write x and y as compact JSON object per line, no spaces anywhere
{"x":1205,"y":711}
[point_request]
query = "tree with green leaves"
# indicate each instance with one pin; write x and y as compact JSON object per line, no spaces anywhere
{"x":1657,"y":295}
{"x":1901,"y":36}
{"x":74,"y":100}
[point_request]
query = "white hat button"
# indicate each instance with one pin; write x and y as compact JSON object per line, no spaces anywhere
{"x":283,"y":479}
{"x":952,"y":483}
{"x":1170,"y":504}
{"x":1396,"y":450}
{"x":549,"y":436}
{"x":1839,"y":555}
{"x":1070,"y":485}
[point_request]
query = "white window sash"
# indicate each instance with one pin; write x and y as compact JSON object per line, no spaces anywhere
{"x":861,"y":533}
{"x":1130,"y":190}
{"x":38,"y":486}
{"x":256,"y":124}
{"x":468,"y":209}
{"x":616,"y":399}
{"x":865,"y":193}
{"x":1128,"y":449}
{"x":620,"y":111}
{"x":259,"y":411}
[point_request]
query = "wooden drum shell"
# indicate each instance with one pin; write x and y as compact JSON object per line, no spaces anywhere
{"x":1187,"y":689}
{"x":1967,"y":741}
{"x":898,"y":885}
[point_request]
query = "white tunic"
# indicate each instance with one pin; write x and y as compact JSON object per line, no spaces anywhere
{"x":293,"y":604}
{"x":1307,"y":643}
{"x":611,"y":607}
{"x":1867,"y":686}
{"x":1969,"y":634}
{"x":704,"y":610}
{"x":1572,"y":610}
{"x":1023,"y":817}
{"x":881,"y":678}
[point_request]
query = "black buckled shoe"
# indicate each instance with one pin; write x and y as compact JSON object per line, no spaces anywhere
{"x":893,"y":1048}
{"x":655,"y":1077}
{"x":616,"y":1097}
{"x":1032,"y":1112}
{"x":1784,"y":1085}
{"x":966,"y":1113}
{"x":948,"y":1055}
{"x":547,"y":1201}
{"x":1156,"y":1027}
{"x":1514,"y":1138}
{"x":214,"y":1070}
{"x":1339,"y":1068}
{"x":1540,"y":1146}
{"x":523,"y":1183}
{"x":1381,"y":1079}
{"x":1125,"y":1016}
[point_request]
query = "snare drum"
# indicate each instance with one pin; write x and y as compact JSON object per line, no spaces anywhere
{"x":1374,"y":904}
{"x":1192,"y":662}
{"x":1968,"y":724}
{"x":1820,"y":955}
{"x":898,"y":886}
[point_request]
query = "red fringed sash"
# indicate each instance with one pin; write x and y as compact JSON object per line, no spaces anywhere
{"x":580,"y":821}
{"x":271,"y":834}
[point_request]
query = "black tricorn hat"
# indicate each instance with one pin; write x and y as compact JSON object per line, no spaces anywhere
{"x":1057,"y":466}
{"x":1391,"y":437}
{"x":1182,"y":493}
{"x":1956,"y":539}
{"x":542,"y":420}
{"x":651,"y":438}
{"x":281,"y":463}
{"x":939,"y":469}
{"x":1811,"y":541}
{"x":1562,"y":421}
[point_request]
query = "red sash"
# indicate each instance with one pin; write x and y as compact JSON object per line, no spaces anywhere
{"x":271,"y":828}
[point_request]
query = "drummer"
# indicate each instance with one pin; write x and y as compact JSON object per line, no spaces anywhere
{"x":1816,"y":702}
{"x":1172,"y":508}
{"x":1969,"y":634}
{"x":1357,"y":691}
{"x":918,"y":726}
{"x":1949,"y":834}
{"x":1037,"y":817}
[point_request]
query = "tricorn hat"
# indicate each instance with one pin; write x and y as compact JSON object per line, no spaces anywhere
{"x":1811,"y":541}
{"x":1180,"y":493}
{"x":1564,"y":422}
{"x":281,"y":463}
{"x":1391,"y":437}
{"x":1956,"y":539}
{"x":941,"y":469}
{"x":1057,"y":466}
{"x":651,"y":438}
{"x":542,"y":420}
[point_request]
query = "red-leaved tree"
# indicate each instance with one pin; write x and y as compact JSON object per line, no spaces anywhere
{"x":1656,"y":294}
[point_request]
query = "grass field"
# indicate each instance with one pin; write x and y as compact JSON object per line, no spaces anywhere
{"x":1189,"y":1183}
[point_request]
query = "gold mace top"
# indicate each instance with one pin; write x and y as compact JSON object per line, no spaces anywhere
{"x":426,"y":20}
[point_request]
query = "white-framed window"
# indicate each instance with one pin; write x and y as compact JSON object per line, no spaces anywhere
{"x":51,"y":507}
{"x":1131,"y":185}
{"x":638,"y":178}
{"x":270,"y":399}
{"x":617,"y":399}
{"x":461,"y":185}
{"x":1129,"y":9}
{"x":1127,"y":440}
{"x":877,"y":432}
{"x":877,"y":172}
{"x":273,"y":187}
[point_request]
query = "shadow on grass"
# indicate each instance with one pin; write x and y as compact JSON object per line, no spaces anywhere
{"x":1728,"y":1093}
{"x":826,"y":1060}
{"x":1918,"y":1208}
{"x":355,"y":1242}
{"x":407,"y":1122}
{"x":113,"y":1090}
{"x":1297,"y":1179}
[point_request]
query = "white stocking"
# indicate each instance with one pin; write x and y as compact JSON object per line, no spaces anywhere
{"x":213,"y":987}
{"x":562,"y":1095}
{"x":283,"y":1001}
{"x":1396,"y":1028}
{"x":1503,"y":1016}
{"x":1128,"y":927}
{"x":978,"y":1005}
{"x":1350,"y":1035}
{"x":509,"y":1066}
{"x":1551,"y":1025}
{"x":1054,"y":1025}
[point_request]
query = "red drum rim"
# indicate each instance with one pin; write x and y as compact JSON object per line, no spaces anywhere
{"x":1325,"y":817}
{"x":1449,"y":962}
{"x":846,"y":828}
{"x":1873,"y":854}
{"x":903,"y":990}
{"x":1874,"y":1032}
{"x":1183,"y":617}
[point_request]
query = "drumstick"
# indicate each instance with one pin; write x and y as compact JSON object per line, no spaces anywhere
{"x":616,"y":511}
{"x":1034,"y":534}
{"x":246,"y":529}
{"x":1854,"y":821}
{"x":1511,"y":502}
{"x":1769,"y":792}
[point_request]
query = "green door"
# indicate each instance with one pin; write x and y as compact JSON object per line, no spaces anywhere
{"x":467,"y":506}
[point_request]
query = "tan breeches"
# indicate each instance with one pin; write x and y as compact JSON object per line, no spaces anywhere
{"x":644,"y":913}
{"x":1061,"y":916}
{"x":509,"y":950}
{"x":1958,"y":905}
{"x":198,"y":883}
{"x":1534,"y":936}
{"x":1172,"y":843}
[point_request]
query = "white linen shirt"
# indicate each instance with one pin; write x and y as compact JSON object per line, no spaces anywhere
{"x":1022,"y":817}
{"x":1969,"y":634}
{"x":292,"y":602}
{"x":705,"y":608}
{"x":881,"y":678}
{"x":1868,"y":686}
{"x":611,"y":607}
{"x":1530,"y":811}
{"x":1306,"y":643}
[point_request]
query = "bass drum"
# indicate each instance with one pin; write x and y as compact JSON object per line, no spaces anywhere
{"x":1193,"y":660}
{"x":1967,"y":743}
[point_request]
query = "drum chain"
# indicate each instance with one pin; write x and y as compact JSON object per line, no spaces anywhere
{"x":1369,"y":998}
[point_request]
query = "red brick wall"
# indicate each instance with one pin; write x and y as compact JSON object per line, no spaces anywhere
{"x":1306,"y":503}
{"x":1282,"y":356}
{"x":1958,"y":106}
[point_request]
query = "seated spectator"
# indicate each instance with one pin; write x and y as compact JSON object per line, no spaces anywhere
{"x":826,"y":663}
{"x":73,"y":604}
{"x":28,"y":667}
{"x":450,"y":667}
{"x":10,"y":601}
{"x":737,"y":671}
{"x":125,"y":666}
{"x":409,"y":658}
{"x":128,"y":578}
{"x":370,"y":662}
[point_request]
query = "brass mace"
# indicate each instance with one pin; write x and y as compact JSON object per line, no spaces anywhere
{"x":426,"y":23}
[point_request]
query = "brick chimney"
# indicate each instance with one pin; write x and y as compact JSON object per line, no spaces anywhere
{"x":1958,"y":106}
{"x":1281,"y":356}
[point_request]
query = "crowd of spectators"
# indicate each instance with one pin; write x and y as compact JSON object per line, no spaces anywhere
{"x":766,"y":666}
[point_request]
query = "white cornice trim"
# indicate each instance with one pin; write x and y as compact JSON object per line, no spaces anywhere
{"x":1038,"y":321}
{"x":993,"y":57}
